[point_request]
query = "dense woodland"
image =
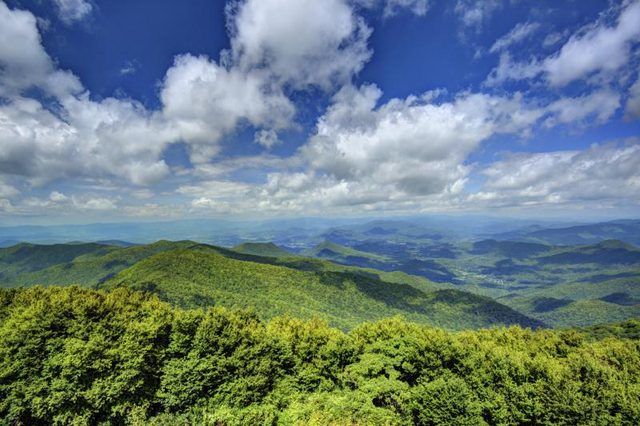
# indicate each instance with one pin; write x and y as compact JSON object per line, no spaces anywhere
{"x":79,"y":356}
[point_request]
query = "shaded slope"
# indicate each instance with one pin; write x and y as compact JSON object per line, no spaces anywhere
{"x":262,"y":249}
{"x":25,"y":258}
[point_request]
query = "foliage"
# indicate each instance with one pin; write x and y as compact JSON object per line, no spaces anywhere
{"x":78,"y":356}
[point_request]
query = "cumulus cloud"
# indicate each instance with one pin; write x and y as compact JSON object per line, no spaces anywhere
{"x":23,"y":60}
{"x":103,"y":138}
{"x":301,"y":43}
{"x":201,"y":100}
{"x":57,"y":201}
{"x":402,"y":154}
{"x":113,"y":137}
{"x":205,"y":101}
{"x":276,"y":46}
{"x":600,"y":49}
{"x":405,"y":150}
{"x":70,"y":11}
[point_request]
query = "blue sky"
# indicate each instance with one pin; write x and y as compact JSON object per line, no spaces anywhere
{"x":127,"y":110}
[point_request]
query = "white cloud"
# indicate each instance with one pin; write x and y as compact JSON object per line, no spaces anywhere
{"x":81,"y":137}
{"x":507,"y":69}
{"x":403,"y":154}
{"x":553,"y":39}
{"x":601,"y":49}
{"x":205,"y":101}
{"x":409,"y":150}
{"x":602,"y":173}
{"x":24,"y":62}
{"x":275,"y":45}
{"x":94,"y":204}
{"x":110,"y":138}
{"x":202,"y":100}
{"x":300,"y":42}
{"x":391,"y":7}
{"x":519,"y":33}
{"x":70,"y":11}
{"x":598,"y":50}
{"x":599,"y":106}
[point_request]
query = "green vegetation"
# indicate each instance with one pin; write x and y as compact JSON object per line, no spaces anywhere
{"x":65,"y":264}
{"x":78,"y":356}
{"x":190,"y":274}
{"x":201,"y":277}
{"x":559,"y":285}
{"x":25,"y":258}
{"x":624,"y":330}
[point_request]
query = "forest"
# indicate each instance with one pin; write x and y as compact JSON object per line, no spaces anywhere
{"x":72,"y":355}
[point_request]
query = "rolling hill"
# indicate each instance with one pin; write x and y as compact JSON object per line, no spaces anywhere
{"x":191,"y":278}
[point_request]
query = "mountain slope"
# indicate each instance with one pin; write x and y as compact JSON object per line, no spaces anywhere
{"x":190,"y":278}
{"x":88,"y":268}
{"x":26,"y":258}
{"x":262,"y":249}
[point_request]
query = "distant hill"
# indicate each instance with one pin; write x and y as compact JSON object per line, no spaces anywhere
{"x":25,"y":258}
{"x":625,"y":230}
{"x":509,"y":248}
{"x":64,"y":264}
{"x":262,"y":249}
{"x":608,"y":252}
{"x":337,"y":252}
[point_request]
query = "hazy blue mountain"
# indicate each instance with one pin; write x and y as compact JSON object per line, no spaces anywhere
{"x":625,"y":230}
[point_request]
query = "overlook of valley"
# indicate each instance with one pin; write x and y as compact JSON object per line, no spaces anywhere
{"x":319,"y":212}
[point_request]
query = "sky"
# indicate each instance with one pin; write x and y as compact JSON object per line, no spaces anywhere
{"x":156,"y":109}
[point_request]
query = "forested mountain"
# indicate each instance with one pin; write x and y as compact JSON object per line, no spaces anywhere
{"x":555,"y":285}
{"x":191,"y":278}
{"x":190,"y":274}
